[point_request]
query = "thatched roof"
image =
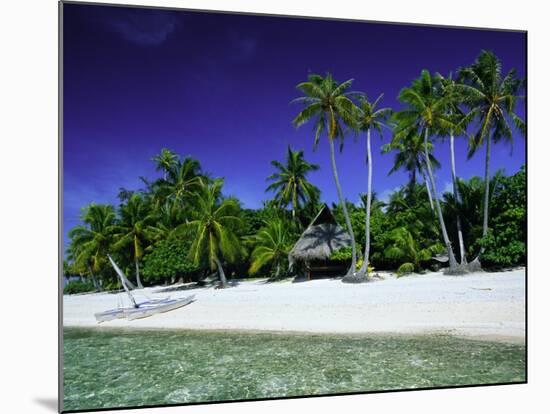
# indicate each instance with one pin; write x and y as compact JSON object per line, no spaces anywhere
{"x":322,"y":237}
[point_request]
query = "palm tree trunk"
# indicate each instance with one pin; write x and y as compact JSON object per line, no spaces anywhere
{"x":344,"y":209}
{"x":364,"y":266}
{"x":139,"y":285}
{"x":221,"y":273}
{"x":450,"y":253}
{"x":94,"y":279}
{"x":475,"y":265}
{"x":428,"y":189}
{"x":486,"y":198}
{"x":456,"y":196}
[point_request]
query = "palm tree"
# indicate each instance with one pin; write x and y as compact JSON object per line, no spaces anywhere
{"x":215,"y":222}
{"x":427,"y":111}
{"x":461,"y":120}
{"x":182,"y":180}
{"x":328,"y":105}
{"x":136,"y":229}
{"x":290,"y":181}
{"x":90,"y":242}
{"x":165,"y":161}
{"x":410,"y":157}
{"x":492,"y":98}
{"x":272,"y":244}
{"x":406,"y":249}
{"x":370,"y":117}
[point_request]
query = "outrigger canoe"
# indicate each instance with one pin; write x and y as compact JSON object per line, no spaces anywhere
{"x":143,"y":309}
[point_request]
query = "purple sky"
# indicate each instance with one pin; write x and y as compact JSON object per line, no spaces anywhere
{"x":218,"y":87}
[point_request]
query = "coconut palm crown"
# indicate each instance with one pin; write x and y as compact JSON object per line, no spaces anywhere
{"x":290,"y":181}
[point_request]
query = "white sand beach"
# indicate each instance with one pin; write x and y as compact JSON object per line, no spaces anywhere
{"x":479,"y":305}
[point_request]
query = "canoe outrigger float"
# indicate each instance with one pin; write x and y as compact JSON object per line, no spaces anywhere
{"x":143,"y":309}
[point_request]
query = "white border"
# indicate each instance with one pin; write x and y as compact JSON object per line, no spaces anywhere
{"x":28,"y":99}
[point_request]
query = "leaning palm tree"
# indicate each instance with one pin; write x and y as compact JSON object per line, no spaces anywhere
{"x":410,"y":157}
{"x":492,"y":98}
{"x":215,"y":222}
{"x":165,"y":161}
{"x":90,"y":241}
{"x":136,"y":229}
{"x":426,"y":113}
{"x":370,"y":117}
{"x":328,"y":105}
{"x":272,"y":244}
{"x":290,"y":181}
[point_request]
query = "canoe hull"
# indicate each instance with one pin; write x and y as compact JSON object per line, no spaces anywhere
{"x":120,"y":313}
{"x":146,"y":311}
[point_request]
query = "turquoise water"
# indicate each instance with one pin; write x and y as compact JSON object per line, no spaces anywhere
{"x":115,"y":368}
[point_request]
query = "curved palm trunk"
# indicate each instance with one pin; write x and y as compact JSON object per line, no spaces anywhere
{"x":364,"y":266}
{"x":452,"y":261}
{"x":138,"y":279}
{"x":221,"y":273}
{"x":344,"y":209}
{"x":428,"y":189}
{"x":455,"y":193}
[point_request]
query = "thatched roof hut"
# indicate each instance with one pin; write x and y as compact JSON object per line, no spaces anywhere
{"x":317,"y":243}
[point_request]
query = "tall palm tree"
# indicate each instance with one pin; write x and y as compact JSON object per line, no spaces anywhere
{"x":370,"y":117}
{"x":215,"y":222}
{"x":328,"y":105}
{"x":290,"y":181}
{"x":272,"y":244}
{"x":410,"y":157}
{"x":460,"y":120}
{"x":90,"y":241}
{"x":165,"y":161}
{"x":136,"y":229}
{"x":492,"y":98}
{"x":425,"y":113}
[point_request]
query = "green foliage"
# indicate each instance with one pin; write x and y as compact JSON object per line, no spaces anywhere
{"x":405,"y":249}
{"x":505,"y":243}
{"x":78,"y":286}
{"x":168,"y":261}
{"x":405,"y":269}
{"x":215,"y":224}
{"x":271,"y":246}
{"x":492,"y":98}
{"x":290,"y":183}
{"x":341,"y":255}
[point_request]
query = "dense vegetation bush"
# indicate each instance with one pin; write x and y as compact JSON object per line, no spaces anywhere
{"x":405,"y":269}
{"x":78,"y":286}
{"x":505,"y":244}
{"x":168,"y":261}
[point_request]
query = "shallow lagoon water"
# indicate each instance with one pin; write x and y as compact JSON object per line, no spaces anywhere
{"x":116,"y":368}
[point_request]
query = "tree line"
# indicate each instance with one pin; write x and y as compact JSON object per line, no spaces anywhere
{"x":182,"y":226}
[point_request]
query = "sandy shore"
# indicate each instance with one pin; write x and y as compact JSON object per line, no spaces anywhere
{"x":480,"y":305}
